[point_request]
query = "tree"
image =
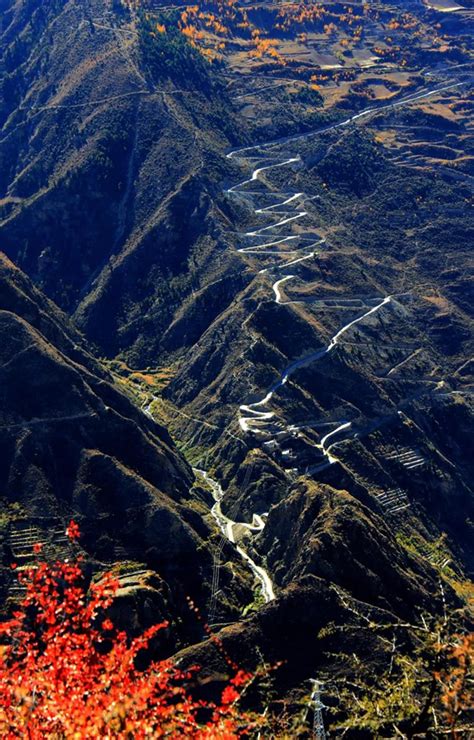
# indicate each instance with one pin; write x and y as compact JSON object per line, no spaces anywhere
{"x":67,"y":672}
{"x":424,"y":690}
{"x":171,"y":54}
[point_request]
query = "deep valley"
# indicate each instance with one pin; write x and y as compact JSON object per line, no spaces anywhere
{"x":236,"y":338}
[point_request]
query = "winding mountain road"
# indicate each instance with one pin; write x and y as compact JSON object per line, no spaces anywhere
{"x":253,"y":422}
{"x":256,"y":417}
{"x":317,"y":132}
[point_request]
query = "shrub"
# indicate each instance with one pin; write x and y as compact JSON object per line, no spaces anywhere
{"x":67,"y":672}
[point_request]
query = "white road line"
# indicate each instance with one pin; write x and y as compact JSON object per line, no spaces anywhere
{"x":276,"y":289}
{"x":227,"y":525}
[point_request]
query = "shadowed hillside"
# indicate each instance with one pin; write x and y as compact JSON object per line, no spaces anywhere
{"x":236,"y":332}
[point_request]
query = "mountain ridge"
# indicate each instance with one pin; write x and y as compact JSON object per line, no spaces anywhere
{"x":260,"y":399}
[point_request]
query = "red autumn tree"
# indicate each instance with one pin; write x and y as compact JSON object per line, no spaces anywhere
{"x":67,"y":672}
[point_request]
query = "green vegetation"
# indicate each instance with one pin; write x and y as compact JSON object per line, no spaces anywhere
{"x":168,"y":55}
{"x":10,"y":512}
{"x":121,"y":568}
{"x":423,"y":690}
{"x":309,"y":96}
{"x":352,"y":164}
{"x":254,"y":605}
{"x":436,"y":552}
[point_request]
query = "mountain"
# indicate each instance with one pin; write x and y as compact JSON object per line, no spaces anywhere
{"x":116,"y":144}
{"x":236,"y":323}
{"x":74,"y":446}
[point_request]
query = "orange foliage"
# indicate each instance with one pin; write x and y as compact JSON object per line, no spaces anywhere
{"x":66,"y":671}
{"x":202,"y":22}
{"x":457,"y":694}
{"x":266,"y":47}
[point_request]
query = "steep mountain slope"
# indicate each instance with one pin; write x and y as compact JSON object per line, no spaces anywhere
{"x":123,"y":148}
{"x":352,"y":342}
{"x":295,"y":311}
{"x":333,"y":396}
{"x":74,"y":446}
